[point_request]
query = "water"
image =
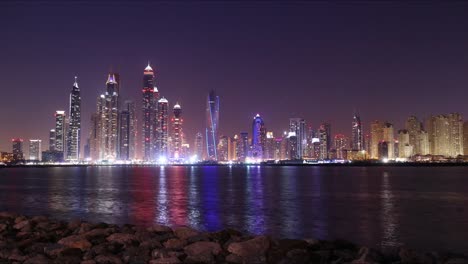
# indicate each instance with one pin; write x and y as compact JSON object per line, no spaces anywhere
{"x":419,"y":207}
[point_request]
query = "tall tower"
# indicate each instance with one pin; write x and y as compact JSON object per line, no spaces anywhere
{"x":212,"y":124}
{"x":109,"y":119}
{"x":127,"y":133}
{"x":52,"y":140}
{"x":198,"y":150}
{"x":298,"y":128}
{"x":375,"y":138}
{"x":325,"y":140}
{"x":357,"y":142}
{"x":258,"y":137}
{"x":414,"y":128}
{"x":341,"y":145}
{"x":17,"y":149}
{"x":150,"y":118}
{"x":177,"y":131}
{"x":35,"y":149}
{"x":163,"y":129}
{"x":60,"y":131}
{"x":74,"y":127}
{"x":389,"y":137}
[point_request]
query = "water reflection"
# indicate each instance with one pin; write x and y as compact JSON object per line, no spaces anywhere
{"x":388,"y":214}
{"x":162,"y":198}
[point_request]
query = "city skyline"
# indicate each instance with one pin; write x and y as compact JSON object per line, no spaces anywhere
{"x":257,"y":74}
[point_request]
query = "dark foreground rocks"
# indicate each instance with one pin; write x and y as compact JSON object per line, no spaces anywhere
{"x":38,"y":240}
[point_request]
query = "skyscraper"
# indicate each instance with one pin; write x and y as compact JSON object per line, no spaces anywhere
{"x":17,"y":149}
{"x":341,"y":145}
{"x":465,"y":138}
{"x":405,"y":149}
{"x":60,"y":131}
{"x":198,"y":150}
{"x":270,"y":145}
{"x":357,"y":142}
{"x":127,"y":133}
{"x":232,"y":148}
{"x":177,"y":131}
{"x":109,"y":119}
{"x":389,"y":137}
{"x":223,"y":148}
{"x":35,"y":149}
{"x":74,"y":127}
{"x":52,"y":138}
{"x":446,"y":135}
{"x":212,"y":125}
{"x":163,"y":129}
{"x":258,"y":137}
{"x":243,"y":146}
{"x":414,"y":128}
{"x":150,"y":118}
{"x":325,"y":142}
{"x":298,"y":127}
{"x":376,"y":137}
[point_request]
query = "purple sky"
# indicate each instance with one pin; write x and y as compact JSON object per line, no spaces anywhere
{"x":315,"y":60}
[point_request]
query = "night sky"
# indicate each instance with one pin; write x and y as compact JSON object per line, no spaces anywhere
{"x":314,"y":60}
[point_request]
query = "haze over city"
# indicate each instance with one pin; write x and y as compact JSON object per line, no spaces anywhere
{"x":319,"y":61}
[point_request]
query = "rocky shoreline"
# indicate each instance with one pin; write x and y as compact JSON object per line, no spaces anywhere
{"x":39,"y":239}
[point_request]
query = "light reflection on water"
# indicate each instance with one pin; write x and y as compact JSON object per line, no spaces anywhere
{"x":374,"y":206}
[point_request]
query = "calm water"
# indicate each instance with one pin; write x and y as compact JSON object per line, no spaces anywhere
{"x":422,"y":208}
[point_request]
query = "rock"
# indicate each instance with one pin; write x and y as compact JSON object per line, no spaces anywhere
{"x":160,"y":253}
{"x":53,"y":250}
{"x":151,"y":244}
{"x":38,"y":259}
{"x":74,"y":224}
{"x":159,"y":229}
{"x":253,"y":247}
{"x":185,"y":232}
{"x":175,"y":243}
{"x":20,"y":218}
{"x":170,"y":260}
{"x":21,"y":225}
{"x":408,"y":256}
{"x":368,"y":256}
{"x":17,"y":256}
{"x":99,"y":232}
{"x":224,"y":235}
{"x":39,"y":219}
{"x":88,"y":262}
{"x":232,"y":258}
{"x":107,"y":259}
{"x":9,"y":215}
{"x":67,"y":260}
{"x":122,"y":238}
{"x":203,"y":248}
{"x":3,"y":227}
{"x":76,"y":241}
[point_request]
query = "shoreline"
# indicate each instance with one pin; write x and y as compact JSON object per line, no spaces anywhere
{"x":40,"y":239}
{"x":354,"y":164}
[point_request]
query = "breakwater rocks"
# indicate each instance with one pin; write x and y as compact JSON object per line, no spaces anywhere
{"x":37,"y":240}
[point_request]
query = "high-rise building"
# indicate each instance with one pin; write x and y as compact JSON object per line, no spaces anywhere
{"x":17,"y":149}
{"x":325,"y":140}
{"x":405,"y":149}
{"x":258,"y":137}
{"x":376,"y":137}
{"x":163,"y":129}
{"x":95,"y":135}
{"x":108,"y":105}
{"x":414,"y":128}
{"x":292,"y":145}
{"x":74,"y":126}
{"x":177,"y":131}
{"x":446,"y":135}
{"x":341,"y":145}
{"x":357,"y":140}
{"x":212,"y":126}
{"x":424,"y":145}
{"x":243,"y":146}
{"x":150,"y":115}
{"x":60,"y":131}
{"x":127,"y":133}
{"x":270,"y":147}
{"x":465,"y":138}
{"x":223,"y":148}
{"x":389,"y":137}
{"x":35,"y":149}
{"x":298,"y":127}
{"x":232,"y":148}
{"x":52,"y":138}
{"x":198,"y":150}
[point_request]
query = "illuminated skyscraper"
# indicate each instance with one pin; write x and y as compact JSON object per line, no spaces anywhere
{"x":270,"y":145}
{"x":109,"y":119}
{"x":198,"y":150}
{"x":341,"y":145}
{"x":163,"y":129}
{"x":258,"y":137}
{"x":357,"y":142}
{"x":60,"y":131}
{"x":446,"y":135}
{"x":223,"y":148}
{"x":405,"y":149}
{"x":74,"y":127}
{"x":127,"y":133}
{"x":297,"y":126}
{"x":177,"y":131}
{"x":232,"y":148}
{"x":17,"y":149}
{"x":375,"y":138}
{"x":150,"y":116}
{"x":52,"y":140}
{"x":212,"y":126}
{"x":465,"y":138}
{"x":243,"y":146}
{"x":35,"y":149}
{"x":414,"y":128}
{"x":389,"y":137}
{"x":325,"y":140}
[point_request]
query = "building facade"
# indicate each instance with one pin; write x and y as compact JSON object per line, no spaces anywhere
{"x":212,"y":126}
{"x":177,"y":132}
{"x":60,"y":122}
{"x":150,"y":115}
{"x":357,"y":140}
{"x":258,"y":138}
{"x":162,"y":140}
{"x":35,"y":151}
{"x":74,"y":126}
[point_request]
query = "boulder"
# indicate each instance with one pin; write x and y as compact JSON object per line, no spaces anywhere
{"x":203,"y":248}
{"x":169,"y":260}
{"x":175,"y":243}
{"x":122,"y":238}
{"x":254,"y":247}
{"x":368,"y":256}
{"x":38,"y":259}
{"x":107,"y":259}
{"x":76,"y":241}
{"x":185,"y":232}
{"x":21,"y":225}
